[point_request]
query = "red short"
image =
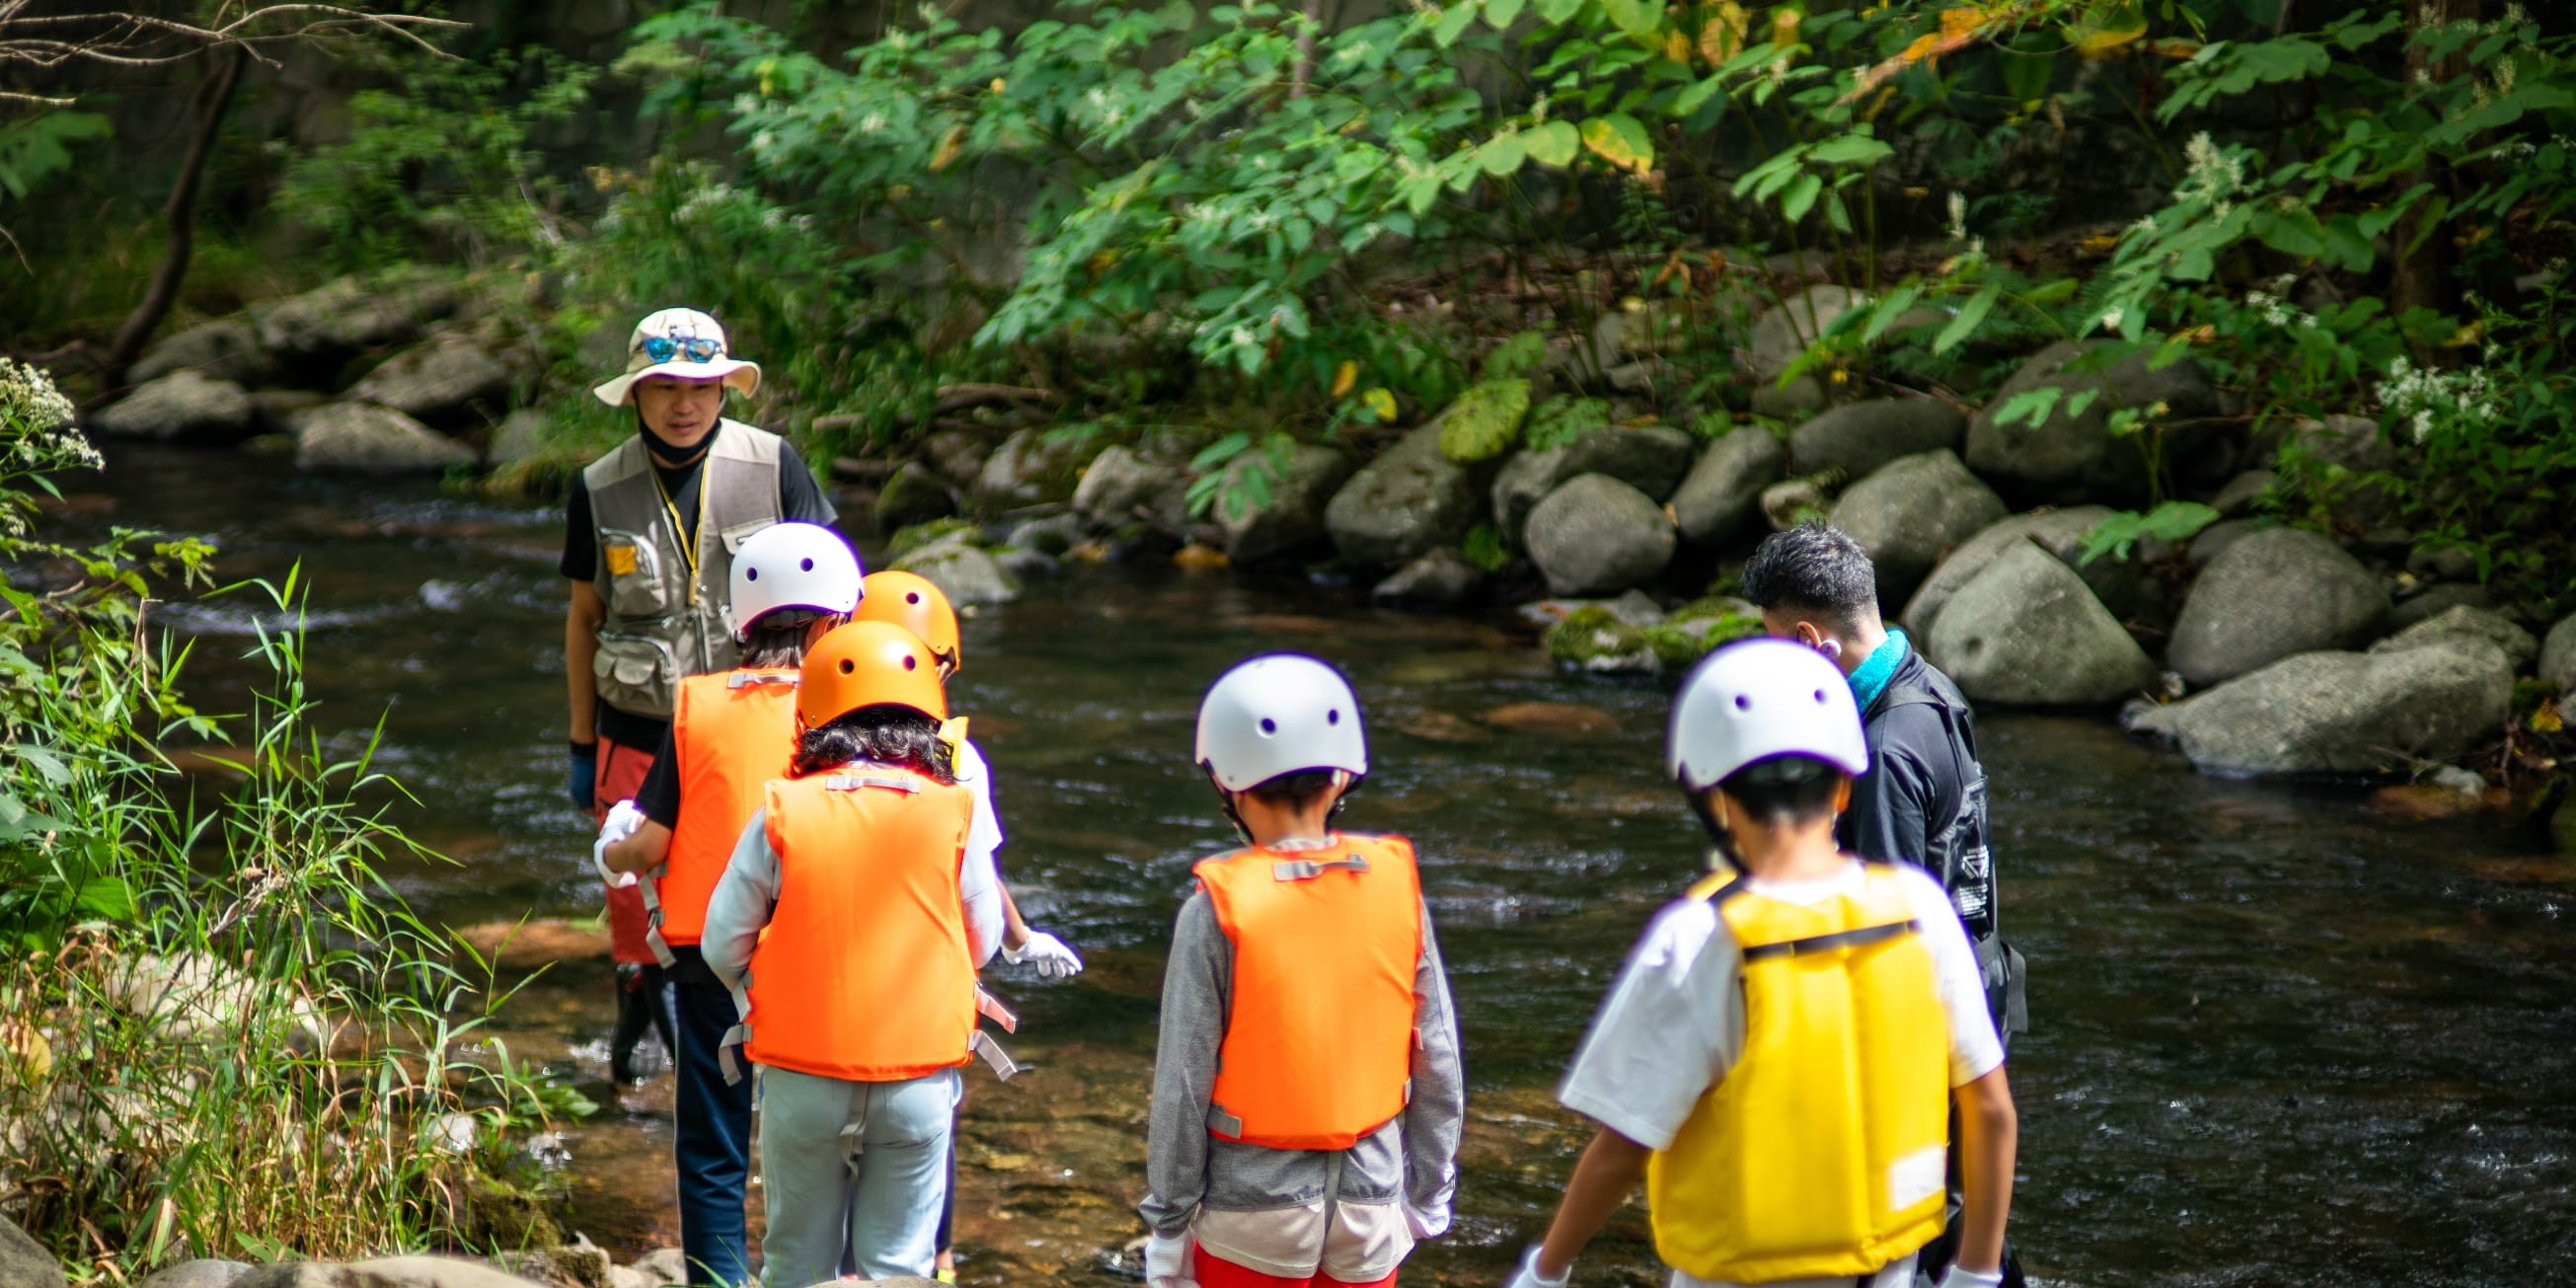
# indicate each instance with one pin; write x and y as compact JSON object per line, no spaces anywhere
{"x":621,"y":775}
{"x":1216,"y":1272}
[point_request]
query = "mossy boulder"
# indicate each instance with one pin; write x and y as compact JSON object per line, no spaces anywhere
{"x":913,"y":496}
{"x":922,"y":535}
{"x":1592,"y":638}
{"x":1485,"y":421}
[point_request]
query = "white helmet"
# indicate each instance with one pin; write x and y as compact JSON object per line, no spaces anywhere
{"x":1278,"y":714}
{"x":1758,"y":699}
{"x":791,"y":565}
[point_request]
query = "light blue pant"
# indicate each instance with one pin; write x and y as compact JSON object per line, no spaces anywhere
{"x":855,"y":1174}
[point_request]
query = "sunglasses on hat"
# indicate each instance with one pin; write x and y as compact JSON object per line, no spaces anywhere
{"x":663,"y":348}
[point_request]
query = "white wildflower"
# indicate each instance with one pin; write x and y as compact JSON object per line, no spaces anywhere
{"x":2113,"y":316}
{"x":2504,"y":75}
{"x":1958,"y":216}
{"x":2423,"y":423}
{"x":872,"y":123}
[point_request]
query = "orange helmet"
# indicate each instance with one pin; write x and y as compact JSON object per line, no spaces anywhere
{"x":910,"y":601}
{"x":864,"y":664}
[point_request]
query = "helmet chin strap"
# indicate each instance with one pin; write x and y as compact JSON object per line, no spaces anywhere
{"x":1350,"y":782}
{"x":1721,"y":839}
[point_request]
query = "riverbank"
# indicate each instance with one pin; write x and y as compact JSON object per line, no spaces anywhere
{"x":2283,"y":1032}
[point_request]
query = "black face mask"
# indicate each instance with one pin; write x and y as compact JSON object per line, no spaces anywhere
{"x":678,"y":458}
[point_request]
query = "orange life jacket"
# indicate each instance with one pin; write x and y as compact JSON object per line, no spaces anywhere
{"x":1319,"y":1033}
{"x":864,"y":973}
{"x":732,"y":733}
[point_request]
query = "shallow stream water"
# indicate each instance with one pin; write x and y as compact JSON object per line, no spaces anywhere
{"x":2281,"y":1035}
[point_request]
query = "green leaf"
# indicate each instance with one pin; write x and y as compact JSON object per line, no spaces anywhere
{"x":1554,"y":143}
{"x":1483,"y":546}
{"x":1639,"y":18}
{"x":1453,"y":22}
{"x":1516,"y":356}
{"x":1557,"y":11}
{"x":1501,"y":14}
{"x":1851,"y":149}
{"x":1888,"y":310}
{"x":1220,"y":451}
{"x":2031,"y":406}
{"x":1484,"y":421}
{"x":1801,"y":197}
{"x":1970,"y":317}
{"x":1621,"y":140}
{"x":1503,"y":153}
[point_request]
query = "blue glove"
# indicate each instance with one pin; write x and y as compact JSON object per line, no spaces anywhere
{"x":582,"y":782}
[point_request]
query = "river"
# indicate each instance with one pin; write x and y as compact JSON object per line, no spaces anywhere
{"x":2281,"y":1033}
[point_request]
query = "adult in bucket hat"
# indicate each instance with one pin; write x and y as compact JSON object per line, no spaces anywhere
{"x":650,"y":529}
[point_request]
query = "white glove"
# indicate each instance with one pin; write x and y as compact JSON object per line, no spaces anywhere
{"x":1167,"y":1262}
{"x":1956,"y":1277}
{"x":1426,"y":1225}
{"x":1526,"y":1274}
{"x":1047,"y":953}
{"x":623,"y":820}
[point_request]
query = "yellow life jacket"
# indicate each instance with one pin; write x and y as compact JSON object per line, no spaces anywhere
{"x":1822,"y":1152}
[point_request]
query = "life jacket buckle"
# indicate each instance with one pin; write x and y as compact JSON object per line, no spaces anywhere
{"x":854,"y":782}
{"x":746,"y":679}
{"x":1308,"y":869}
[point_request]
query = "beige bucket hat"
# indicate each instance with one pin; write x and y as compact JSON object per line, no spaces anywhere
{"x":675,"y":342}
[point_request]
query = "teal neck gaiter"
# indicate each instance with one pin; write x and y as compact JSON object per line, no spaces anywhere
{"x":1872,"y":677}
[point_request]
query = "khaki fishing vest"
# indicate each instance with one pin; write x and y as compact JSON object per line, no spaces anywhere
{"x":663,"y":624}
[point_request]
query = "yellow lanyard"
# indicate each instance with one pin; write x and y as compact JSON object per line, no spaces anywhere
{"x":687,"y":538}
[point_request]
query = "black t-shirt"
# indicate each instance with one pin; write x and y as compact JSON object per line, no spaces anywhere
{"x":658,"y":796}
{"x":800,"y":500}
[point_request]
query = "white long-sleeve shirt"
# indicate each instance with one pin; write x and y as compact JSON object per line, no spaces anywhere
{"x":748,"y":893}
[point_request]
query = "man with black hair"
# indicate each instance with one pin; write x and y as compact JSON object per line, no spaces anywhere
{"x":1924,"y":798}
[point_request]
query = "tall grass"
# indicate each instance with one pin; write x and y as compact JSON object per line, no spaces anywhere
{"x":222,"y":1032}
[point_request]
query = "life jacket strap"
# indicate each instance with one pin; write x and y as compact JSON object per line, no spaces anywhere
{"x":1308,"y":869}
{"x":995,"y":1058}
{"x":854,"y":782}
{"x":1859,"y":936}
{"x":991,"y":1008}
{"x":649,"y":885}
{"x":734,"y":1040}
{"x":746,"y":679}
{"x":1222,"y":1123}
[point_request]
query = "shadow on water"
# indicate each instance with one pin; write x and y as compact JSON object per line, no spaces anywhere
{"x":2279,"y":1039}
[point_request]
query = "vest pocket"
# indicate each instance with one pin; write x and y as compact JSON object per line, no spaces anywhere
{"x":635,"y":673}
{"x":633,"y":563}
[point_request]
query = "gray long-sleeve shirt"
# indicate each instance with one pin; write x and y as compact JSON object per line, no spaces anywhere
{"x":1413,"y":1157}
{"x":747,"y":895}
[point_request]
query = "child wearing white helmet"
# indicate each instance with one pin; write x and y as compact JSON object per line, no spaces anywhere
{"x":1773,"y":1059}
{"x":1307,"y":1091}
{"x":730,"y":734}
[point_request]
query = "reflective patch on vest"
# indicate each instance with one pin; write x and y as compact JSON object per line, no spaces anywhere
{"x":1976,"y":880}
{"x":853,"y":782}
{"x":1916,"y":1177}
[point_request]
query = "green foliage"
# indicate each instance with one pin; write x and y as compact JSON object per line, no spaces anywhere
{"x":221,"y":1029}
{"x":2174,"y":521}
{"x":1483,"y":547}
{"x":1562,"y":419}
{"x":907,"y":540}
{"x":441,"y":164}
{"x":35,"y":148}
{"x":1518,"y":356}
{"x":1593,"y":638}
{"x":1485,"y":420}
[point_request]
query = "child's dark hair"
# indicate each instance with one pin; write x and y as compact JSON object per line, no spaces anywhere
{"x":884,"y":734}
{"x":1784,"y":791}
{"x":1295,"y":790}
{"x":778,"y":639}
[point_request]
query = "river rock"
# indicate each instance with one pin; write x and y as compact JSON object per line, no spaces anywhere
{"x":1596,"y":533}
{"x":664,"y":1266}
{"x":965,"y":572}
{"x":186,"y":406}
{"x":225,"y":349}
{"x":1651,"y":459}
{"x":1031,"y":467}
{"x":188,"y":996}
{"x":2075,"y":457}
{"x":1857,"y":438}
{"x":314,"y":333}
{"x":520,"y":435}
{"x":2336,"y":712}
{"x":204,"y":1272}
{"x":955,"y":455}
{"x":2211,"y":542}
{"x":2238,"y":498}
{"x":2460,"y":622}
{"x":2027,"y":631}
{"x":2341,"y":452}
{"x":1442,"y":579}
{"x":363,"y":438}
{"x":451,"y":383}
{"x":2273,"y":593}
{"x":2558,"y":657}
{"x":579,"y":1264}
{"x":2434,"y":600}
{"x":1408,"y":502}
{"x":2123,"y":586}
{"x":1121,"y":480}
{"x":277,"y":411}
{"x":912,"y":495}
{"x":1911,"y":511}
{"x":1722,"y":494}
{"x":24,"y":1263}
{"x":1790,"y":502}
{"x":1782,"y":333}
{"x":1292,"y":520}
{"x":385,"y":1272}
{"x":1566,"y":718}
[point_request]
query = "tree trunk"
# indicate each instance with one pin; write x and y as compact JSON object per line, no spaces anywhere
{"x":212,"y":102}
{"x":2420,"y":275}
